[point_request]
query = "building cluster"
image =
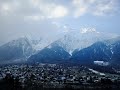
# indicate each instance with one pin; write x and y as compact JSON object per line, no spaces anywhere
{"x":56,"y":76}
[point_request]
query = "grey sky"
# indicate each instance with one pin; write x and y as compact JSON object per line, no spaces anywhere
{"x":48,"y":18}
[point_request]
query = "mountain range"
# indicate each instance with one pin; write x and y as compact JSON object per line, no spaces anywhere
{"x":84,"y":46}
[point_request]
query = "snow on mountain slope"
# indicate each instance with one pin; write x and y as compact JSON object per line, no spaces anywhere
{"x":81,"y":39}
{"x":51,"y":54}
{"x":40,"y":44}
{"x":72,"y":40}
{"x":22,"y":43}
{"x":16,"y":50}
{"x":102,"y":53}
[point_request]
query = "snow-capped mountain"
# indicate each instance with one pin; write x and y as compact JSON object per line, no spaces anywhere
{"x":107,"y":52}
{"x":51,"y":54}
{"x":97,"y":52}
{"x":81,"y":39}
{"x":22,"y":48}
{"x":16,"y":50}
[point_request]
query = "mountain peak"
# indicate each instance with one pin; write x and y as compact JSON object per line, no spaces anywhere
{"x":88,"y":30}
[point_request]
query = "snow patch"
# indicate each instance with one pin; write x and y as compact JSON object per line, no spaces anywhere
{"x":96,"y":72}
{"x":49,"y":47}
{"x":101,"y":63}
{"x":70,"y":52}
{"x":111,"y":50}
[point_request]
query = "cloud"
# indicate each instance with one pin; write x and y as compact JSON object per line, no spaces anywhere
{"x":80,"y":6}
{"x":34,"y":18}
{"x":105,"y":8}
{"x":50,"y":10}
{"x":7,"y":8}
{"x":94,"y":7}
{"x":58,"y":11}
{"x":37,"y":10}
{"x":33,"y":9}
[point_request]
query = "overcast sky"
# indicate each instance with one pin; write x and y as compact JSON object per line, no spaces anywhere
{"x":39,"y":18}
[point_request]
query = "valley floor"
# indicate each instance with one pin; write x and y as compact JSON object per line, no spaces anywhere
{"x":55,"y":76}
